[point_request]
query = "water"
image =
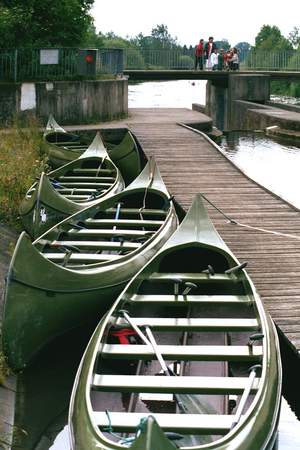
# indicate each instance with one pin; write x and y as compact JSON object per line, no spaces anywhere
{"x":167,"y":94}
{"x":274,"y":165}
{"x":49,"y":381}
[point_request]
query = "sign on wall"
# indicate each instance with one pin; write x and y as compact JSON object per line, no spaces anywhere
{"x":49,"y":56}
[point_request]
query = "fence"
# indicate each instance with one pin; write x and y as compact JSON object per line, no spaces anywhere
{"x":68,"y":63}
{"x":178,"y":59}
{"x":49,"y":64}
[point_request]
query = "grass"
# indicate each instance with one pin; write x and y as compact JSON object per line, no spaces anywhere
{"x":21,"y":160}
{"x":4,"y":369}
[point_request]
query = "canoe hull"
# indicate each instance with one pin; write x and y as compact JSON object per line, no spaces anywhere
{"x":126,"y":154}
{"x":257,"y":428}
{"x":46,"y":207}
{"x":46,"y":302}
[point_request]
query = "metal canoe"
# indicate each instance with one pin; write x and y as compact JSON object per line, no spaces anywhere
{"x":70,"y":188}
{"x":192,"y":294}
{"x":74,"y":271}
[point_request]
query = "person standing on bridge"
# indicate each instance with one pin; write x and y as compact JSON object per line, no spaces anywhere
{"x":209,"y":48}
{"x":199,"y":55}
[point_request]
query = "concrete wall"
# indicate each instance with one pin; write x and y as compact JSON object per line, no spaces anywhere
{"x":221,"y":98}
{"x":69,"y":101}
{"x":217,"y":104}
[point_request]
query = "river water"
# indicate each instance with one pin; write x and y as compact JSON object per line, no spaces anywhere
{"x":268,"y":162}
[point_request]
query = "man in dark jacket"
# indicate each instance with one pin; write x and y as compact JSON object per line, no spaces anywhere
{"x":209,"y":48}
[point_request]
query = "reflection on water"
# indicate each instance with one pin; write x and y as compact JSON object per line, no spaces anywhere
{"x":167,"y":94}
{"x":272,"y":164}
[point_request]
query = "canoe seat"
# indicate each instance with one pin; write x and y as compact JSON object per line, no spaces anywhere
{"x":70,"y":142}
{"x":75,"y":197}
{"x":184,"y":352}
{"x":180,"y":423}
{"x":80,"y":185}
{"x":126,"y":222}
{"x":136,"y":211}
{"x":99,"y":245}
{"x":87,"y":179}
{"x":77,"y":190}
{"x":110,"y":232}
{"x":81,"y":257}
{"x":173,"y":300}
{"x":191,"y":277}
{"x":178,"y":324}
{"x":176,"y":384}
{"x":96,"y":171}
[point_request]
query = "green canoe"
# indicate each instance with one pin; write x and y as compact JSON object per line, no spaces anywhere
{"x":63,"y":147}
{"x":74,"y":271}
{"x":186,"y":355}
{"x":70,"y":188}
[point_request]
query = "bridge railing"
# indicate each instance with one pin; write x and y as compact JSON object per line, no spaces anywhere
{"x":176,"y":59}
{"x":25,"y":64}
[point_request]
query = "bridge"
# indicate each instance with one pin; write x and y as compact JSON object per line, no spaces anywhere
{"x":220,"y":76}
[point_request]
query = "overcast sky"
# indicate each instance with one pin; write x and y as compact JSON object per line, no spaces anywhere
{"x":190,"y":20}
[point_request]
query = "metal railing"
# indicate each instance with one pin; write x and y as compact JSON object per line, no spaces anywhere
{"x":26,"y":64}
{"x":178,"y":59}
{"x":69,"y":63}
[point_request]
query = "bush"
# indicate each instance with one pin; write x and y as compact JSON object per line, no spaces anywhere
{"x":21,"y":160}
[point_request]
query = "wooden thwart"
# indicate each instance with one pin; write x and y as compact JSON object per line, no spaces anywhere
{"x":184,"y":353}
{"x":181,"y":423}
{"x":178,"y":324}
{"x":179,"y":385}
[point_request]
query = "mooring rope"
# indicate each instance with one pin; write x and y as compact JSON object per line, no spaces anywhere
{"x":251,"y":227}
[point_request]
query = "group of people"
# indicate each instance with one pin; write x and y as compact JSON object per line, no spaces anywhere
{"x":208,"y":56}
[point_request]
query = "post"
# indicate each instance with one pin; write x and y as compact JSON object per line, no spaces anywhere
{"x":15,"y":65}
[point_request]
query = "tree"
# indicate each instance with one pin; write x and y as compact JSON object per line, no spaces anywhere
{"x":223,"y":44}
{"x":46,"y":23}
{"x":270,"y":38}
{"x":243,"y":47}
{"x":294,"y":37}
{"x":162,"y":38}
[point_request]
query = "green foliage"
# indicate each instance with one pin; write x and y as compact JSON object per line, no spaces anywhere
{"x":21,"y":160}
{"x":270,"y":38}
{"x":161,"y":37}
{"x":92,"y":39}
{"x":285,"y":88}
{"x":222,"y":44}
{"x":294,"y":37}
{"x":243,"y":47}
{"x":44,"y":23}
{"x":186,"y":62}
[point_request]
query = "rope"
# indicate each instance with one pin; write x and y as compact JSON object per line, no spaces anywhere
{"x":151,"y":176}
{"x":235,"y":222}
{"x":139,"y":429}
{"x":100,"y":166}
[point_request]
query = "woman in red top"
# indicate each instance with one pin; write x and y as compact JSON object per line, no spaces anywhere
{"x":199,"y":53}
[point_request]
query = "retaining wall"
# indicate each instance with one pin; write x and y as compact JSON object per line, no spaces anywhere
{"x":69,"y":101}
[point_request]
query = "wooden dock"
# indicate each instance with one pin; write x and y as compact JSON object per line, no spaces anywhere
{"x":189,"y":164}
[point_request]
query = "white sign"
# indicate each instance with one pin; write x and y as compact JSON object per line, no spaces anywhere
{"x":49,"y":56}
{"x":28,"y":96}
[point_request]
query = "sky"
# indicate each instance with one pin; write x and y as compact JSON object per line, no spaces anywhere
{"x":190,"y":20}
